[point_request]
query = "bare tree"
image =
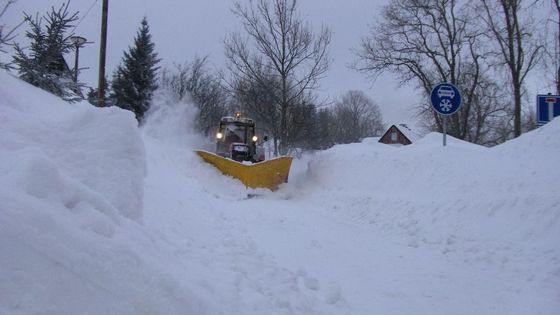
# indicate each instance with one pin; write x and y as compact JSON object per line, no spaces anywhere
{"x":427,"y":42}
{"x":557,"y":54}
{"x":205,"y":89}
{"x":258,"y":99}
{"x":549,"y":65}
{"x":282,"y":44}
{"x":518,"y":51}
{"x":356,"y":116}
{"x":302,"y":124}
{"x":175,"y":80}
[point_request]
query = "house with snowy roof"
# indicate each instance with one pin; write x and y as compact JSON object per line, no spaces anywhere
{"x":399,"y":134}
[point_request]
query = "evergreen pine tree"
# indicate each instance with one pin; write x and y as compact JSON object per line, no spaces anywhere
{"x":135,"y":79}
{"x":45,"y":66}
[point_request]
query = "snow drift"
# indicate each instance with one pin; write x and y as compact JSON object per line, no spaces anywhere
{"x":92,"y":156}
{"x":71,"y":200}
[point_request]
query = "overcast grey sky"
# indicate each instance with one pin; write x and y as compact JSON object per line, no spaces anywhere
{"x":182,"y":29}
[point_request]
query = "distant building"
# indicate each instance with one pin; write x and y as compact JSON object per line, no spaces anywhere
{"x":399,"y":134}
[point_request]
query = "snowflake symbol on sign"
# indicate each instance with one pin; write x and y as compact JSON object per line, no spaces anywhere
{"x":445,"y":105}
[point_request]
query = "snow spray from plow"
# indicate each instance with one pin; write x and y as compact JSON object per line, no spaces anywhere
{"x":266,"y":174}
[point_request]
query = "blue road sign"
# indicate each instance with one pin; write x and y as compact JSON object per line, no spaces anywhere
{"x":446,"y":98}
{"x":548,"y":107}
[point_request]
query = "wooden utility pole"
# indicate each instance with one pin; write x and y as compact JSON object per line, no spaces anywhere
{"x":102,"y":54}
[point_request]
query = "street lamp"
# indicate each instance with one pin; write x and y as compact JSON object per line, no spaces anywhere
{"x":78,"y":42}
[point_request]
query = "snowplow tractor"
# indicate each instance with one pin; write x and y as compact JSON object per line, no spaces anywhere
{"x":240,"y":154}
{"x":236,"y":139}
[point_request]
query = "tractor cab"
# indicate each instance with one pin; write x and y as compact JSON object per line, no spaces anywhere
{"x":237,"y":140}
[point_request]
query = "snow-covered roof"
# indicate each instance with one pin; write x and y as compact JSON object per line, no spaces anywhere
{"x":407,"y":132}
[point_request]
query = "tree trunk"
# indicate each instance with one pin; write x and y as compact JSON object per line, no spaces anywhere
{"x":517,"y":107}
{"x":283,"y":128}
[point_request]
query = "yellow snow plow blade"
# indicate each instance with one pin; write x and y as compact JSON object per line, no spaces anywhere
{"x":267,"y":174}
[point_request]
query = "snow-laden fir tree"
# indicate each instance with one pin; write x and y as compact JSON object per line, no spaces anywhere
{"x":44,"y":66}
{"x":135,"y":79}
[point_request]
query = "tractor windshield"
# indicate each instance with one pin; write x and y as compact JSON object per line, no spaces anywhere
{"x":236,"y":133}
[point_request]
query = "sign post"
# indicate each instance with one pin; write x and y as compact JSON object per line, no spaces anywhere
{"x":444,"y":130}
{"x":548,"y":107}
{"x":446,"y":100}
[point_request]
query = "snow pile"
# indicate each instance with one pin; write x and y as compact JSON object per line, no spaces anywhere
{"x":71,"y":200}
{"x":461,"y":189}
{"x":491,"y":210}
{"x":70,"y":154}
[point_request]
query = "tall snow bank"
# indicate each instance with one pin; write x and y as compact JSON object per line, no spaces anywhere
{"x":69,"y":174}
{"x":69,"y":154}
{"x":496,"y":207}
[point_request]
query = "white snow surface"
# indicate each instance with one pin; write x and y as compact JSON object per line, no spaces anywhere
{"x":98,"y":216}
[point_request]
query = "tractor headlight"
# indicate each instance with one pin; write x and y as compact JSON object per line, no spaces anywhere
{"x":219,"y":135}
{"x":255,"y":138}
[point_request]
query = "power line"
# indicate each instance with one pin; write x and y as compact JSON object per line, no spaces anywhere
{"x":85,"y":15}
